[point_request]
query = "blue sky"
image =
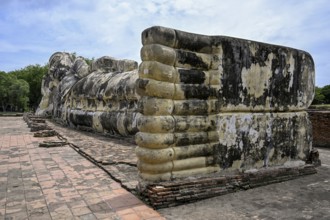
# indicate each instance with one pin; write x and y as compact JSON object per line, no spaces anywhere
{"x":32,"y":30}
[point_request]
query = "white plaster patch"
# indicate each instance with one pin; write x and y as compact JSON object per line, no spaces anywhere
{"x":220,"y":67}
{"x":236,"y":164}
{"x":295,"y":163}
{"x":290,"y":70}
{"x":253,"y":48}
{"x":241,"y":145}
{"x":227,"y":130}
{"x":253,"y":135}
{"x":256,"y":79}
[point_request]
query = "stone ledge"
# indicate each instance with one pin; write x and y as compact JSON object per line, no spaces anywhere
{"x":167,"y":194}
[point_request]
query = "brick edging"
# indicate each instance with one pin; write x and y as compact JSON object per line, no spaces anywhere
{"x":173,"y":193}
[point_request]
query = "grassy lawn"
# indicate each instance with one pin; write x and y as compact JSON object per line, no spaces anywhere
{"x":320,"y":107}
{"x":11,"y":113}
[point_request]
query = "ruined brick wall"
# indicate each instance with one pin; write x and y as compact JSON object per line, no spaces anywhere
{"x":214,"y":103}
{"x":321,"y":127}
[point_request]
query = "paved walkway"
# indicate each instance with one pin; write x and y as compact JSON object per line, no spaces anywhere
{"x":57,"y":183}
{"x":307,"y":197}
{"x":116,"y":156}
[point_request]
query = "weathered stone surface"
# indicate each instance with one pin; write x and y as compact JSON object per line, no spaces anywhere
{"x":252,"y":141}
{"x":252,"y":76}
{"x":106,"y":102}
{"x":108,"y":64}
{"x":215,"y":103}
{"x":197,"y":104}
{"x":59,"y":69}
{"x":100,"y":97}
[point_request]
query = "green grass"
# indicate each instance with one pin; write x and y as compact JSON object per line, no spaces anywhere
{"x":11,"y":113}
{"x":320,"y":107}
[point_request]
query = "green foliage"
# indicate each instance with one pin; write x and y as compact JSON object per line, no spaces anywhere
{"x":4,"y":87}
{"x":322,"y":95}
{"x":319,"y":98}
{"x":18,"y":93}
{"x":326,"y":92}
{"x":20,"y":90}
{"x":74,"y":55}
{"x":89,"y":61}
{"x":33,"y":75}
{"x":13,"y":93}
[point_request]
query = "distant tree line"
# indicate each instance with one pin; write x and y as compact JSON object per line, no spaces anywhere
{"x":322,"y":95}
{"x":20,"y":90}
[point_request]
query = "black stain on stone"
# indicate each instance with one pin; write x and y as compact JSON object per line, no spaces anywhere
{"x":226,"y":156}
{"x":234,"y":153}
{"x":166,"y":35}
{"x":220,"y":155}
{"x":231,"y":77}
{"x":193,"y":42}
{"x":81,"y":118}
{"x":261,"y":55}
{"x":123,"y":104}
{"x":109,"y":122}
{"x":142,"y":83}
{"x":190,"y":58}
{"x":121,"y":87}
{"x":47,"y":79}
{"x":191,"y":76}
{"x":103,"y":87}
{"x":193,"y":107}
{"x":78,"y":88}
{"x":91,"y":102}
{"x":284,"y":134}
{"x":198,"y":91}
{"x":196,"y":153}
{"x":132,"y":104}
{"x":187,"y":139}
{"x":130,"y":126}
{"x":237,"y":55}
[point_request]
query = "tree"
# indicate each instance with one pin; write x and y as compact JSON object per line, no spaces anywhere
{"x":13,"y":93}
{"x":319,"y":98}
{"x":322,"y":95}
{"x":4,"y":87}
{"x":33,"y":75}
{"x":326,"y":92}
{"x":18,"y":95}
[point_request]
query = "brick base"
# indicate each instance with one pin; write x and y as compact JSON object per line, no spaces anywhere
{"x":167,"y":194}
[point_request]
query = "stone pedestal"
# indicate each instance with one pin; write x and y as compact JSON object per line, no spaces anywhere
{"x":220,"y":104}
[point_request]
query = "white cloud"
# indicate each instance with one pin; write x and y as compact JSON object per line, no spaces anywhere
{"x":113,"y":27}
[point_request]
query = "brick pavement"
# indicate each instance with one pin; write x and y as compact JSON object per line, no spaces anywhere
{"x":116,"y":156}
{"x":57,"y":183}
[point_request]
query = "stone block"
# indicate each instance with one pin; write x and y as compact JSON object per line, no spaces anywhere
{"x":219,"y":97}
{"x":256,"y":140}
